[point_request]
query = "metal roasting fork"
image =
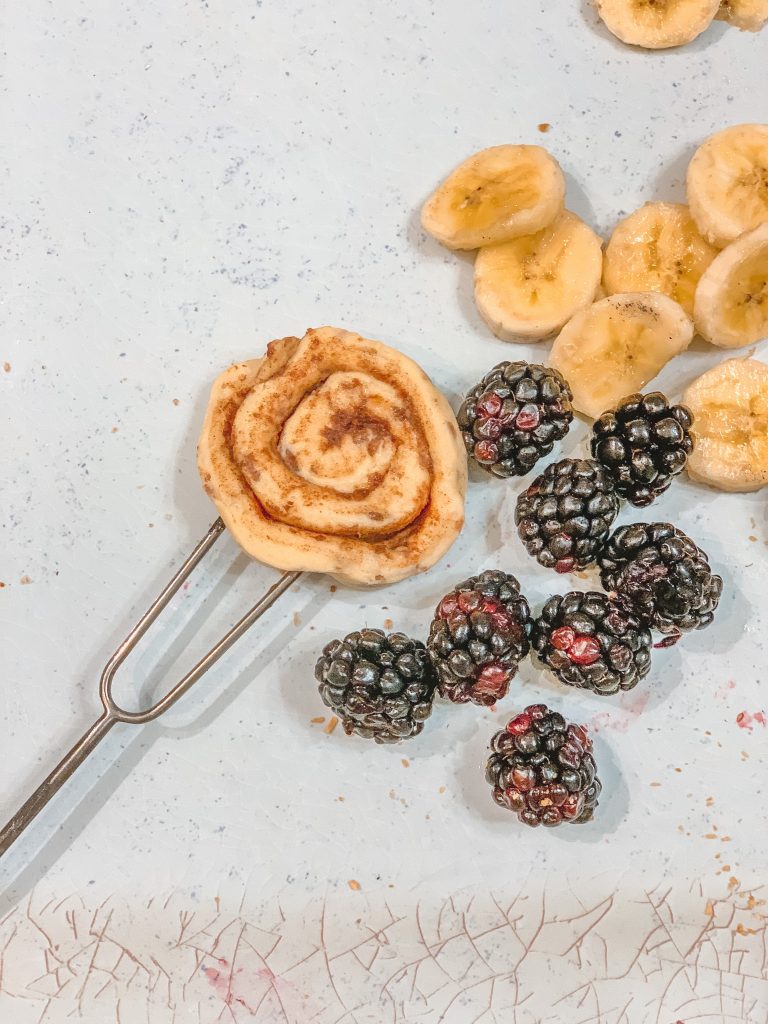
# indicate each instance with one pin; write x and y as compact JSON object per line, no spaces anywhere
{"x":112,"y":712}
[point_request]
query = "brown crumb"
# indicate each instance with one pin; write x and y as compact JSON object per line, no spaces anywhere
{"x":388,"y":623}
{"x":709,"y":910}
{"x":752,"y":522}
{"x":655,"y":785}
{"x":710,"y":835}
{"x":354,"y":885}
{"x":296,"y":619}
{"x":752,"y":537}
{"x":544,"y":126}
{"x":678,"y":769}
{"x":392,"y":795}
{"x":340,"y":799}
{"x":733,"y":883}
{"x":318,"y":721}
{"x":331,"y":725}
{"x":441,"y":790}
{"x":25,"y":580}
{"x":7,"y":367}
{"x":726,"y":867}
{"x":150,"y":525}
{"x":1,"y":586}
{"x":709,"y":801}
{"x":114,"y":430}
{"x":405,"y":762}
{"x":725,"y":839}
{"x":176,"y":401}
{"x":333,"y":588}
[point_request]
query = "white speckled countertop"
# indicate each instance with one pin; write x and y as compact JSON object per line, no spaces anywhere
{"x":182,"y":182}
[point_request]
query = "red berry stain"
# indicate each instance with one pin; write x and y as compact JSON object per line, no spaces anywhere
{"x":528,"y":418}
{"x":745,"y":720}
{"x":489,"y":405}
{"x":581,"y":650}
{"x":563,"y":565}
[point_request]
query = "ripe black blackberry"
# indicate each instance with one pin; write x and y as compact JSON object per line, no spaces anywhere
{"x":380,"y":686}
{"x":591,"y":641}
{"x":566,"y":513}
{"x":543,"y":769}
{"x":643,"y":443}
{"x":658,"y":571}
{"x":514,"y":416}
{"x":478,"y":637}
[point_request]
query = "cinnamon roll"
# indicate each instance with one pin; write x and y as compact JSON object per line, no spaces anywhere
{"x":335,"y":454}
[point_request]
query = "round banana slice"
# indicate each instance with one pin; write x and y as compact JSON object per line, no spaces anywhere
{"x":748,"y":15}
{"x":657,"y":24}
{"x":730,"y":426}
{"x":497,"y":194}
{"x":614,"y":347}
{"x":528,"y":288}
{"x":657,"y":248}
{"x":727,"y":183}
{"x":731,"y":306}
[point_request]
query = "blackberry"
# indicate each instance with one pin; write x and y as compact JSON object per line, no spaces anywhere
{"x":380,"y":686}
{"x":658,"y":571}
{"x":643,"y":443}
{"x":566,"y":513}
{"x":478,"y":637}
{"x":514,"y":416}
{"x":543,"y":769}
{"x":591,"y":641}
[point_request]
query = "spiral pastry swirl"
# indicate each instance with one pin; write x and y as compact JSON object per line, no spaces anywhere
{"x":335,"y":454}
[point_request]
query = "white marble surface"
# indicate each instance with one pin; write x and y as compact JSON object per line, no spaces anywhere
{"x":181,"y":183}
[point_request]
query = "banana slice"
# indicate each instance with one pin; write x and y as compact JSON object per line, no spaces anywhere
{"x":657,"y":24}
{"x":616,"y":346}
{"x":528,"y":288}
{"x":497,"y":194}
{"x":731,"y":306}
{"x":748,"y":15}
{"x":657,"y":248}
{"x":727,"y":183}
{"x":730,"y":426}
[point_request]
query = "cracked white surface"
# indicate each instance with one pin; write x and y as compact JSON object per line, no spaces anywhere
{"x":183,"y":182}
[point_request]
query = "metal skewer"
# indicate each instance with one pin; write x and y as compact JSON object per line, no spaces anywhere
{"x":112,"y":712}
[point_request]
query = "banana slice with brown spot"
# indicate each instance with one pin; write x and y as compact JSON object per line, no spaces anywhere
{"x":614,"y":347}
{"x":658,"y":248}
{"x":731,"y":306}
{"x":657,"y":24}
{"x":527,"y":289}
{"x":730,"y":426}
{"x":498,"y":194}
{"x":727,"y":183}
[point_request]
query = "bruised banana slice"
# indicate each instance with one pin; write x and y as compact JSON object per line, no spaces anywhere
{"x":731,"y":306}
{"x":497,"y":194}
{"x":335,"y":454}
{"x":614,"y":347}
{"x":528,"y":288}
{"x":730,"y":426}
{"x":727,"y":183}
{"x":748,"y":15}
{"x":657,"y":248}
{"x":657,"y":24}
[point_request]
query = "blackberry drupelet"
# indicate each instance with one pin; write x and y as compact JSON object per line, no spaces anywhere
{"x":380,"y":686}
{"x":478,"y":637}
{"x":566,"y":513}
{"x":643,"y":443}
{"x":543,"y":769}
{"x":591,"y":641}
{"x":658,"y":572}
{"x":514,"y":416}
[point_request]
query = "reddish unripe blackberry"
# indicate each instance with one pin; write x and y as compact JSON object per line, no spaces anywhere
{"x":478,"y":637}
{"x":591,"y":641}
{"x":542,"y":769}
{"x":564,"y":516}
{"x":514,"y":416}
